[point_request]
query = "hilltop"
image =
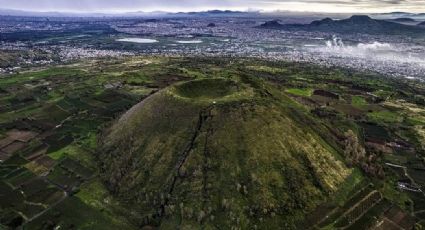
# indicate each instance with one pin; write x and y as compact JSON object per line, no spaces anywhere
{"x":355,"y":24}
{"x":219,"y":152}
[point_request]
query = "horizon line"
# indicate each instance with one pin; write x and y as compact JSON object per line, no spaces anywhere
{"x":118,"y":12}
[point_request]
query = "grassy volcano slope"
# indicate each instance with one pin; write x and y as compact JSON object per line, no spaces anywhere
{"x":236,"y":157}
{"x":207,"y":88}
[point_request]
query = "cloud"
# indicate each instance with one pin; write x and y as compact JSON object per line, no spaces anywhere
{"x":378,"y":3}
{"x":347,"y":6}
{"x":110,"y":5}
{"x":190,"y":5}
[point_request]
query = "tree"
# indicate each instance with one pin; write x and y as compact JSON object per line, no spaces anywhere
{"x":356,"y":155}
{"x":354,"y":151}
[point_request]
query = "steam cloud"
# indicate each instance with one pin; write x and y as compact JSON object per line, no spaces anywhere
{"x":374,"y":51}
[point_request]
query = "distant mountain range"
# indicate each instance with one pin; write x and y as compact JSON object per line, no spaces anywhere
{"x":8,"y":12}
{"x":393,"y":15}
{"x":404,"y":20}
{"x":401,"y":13}
{"x":216,"y":13}
{"x":355,"y":24}
{"x":210,"y":13}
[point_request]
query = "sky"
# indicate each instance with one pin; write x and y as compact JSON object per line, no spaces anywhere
{"x":119,"y":6}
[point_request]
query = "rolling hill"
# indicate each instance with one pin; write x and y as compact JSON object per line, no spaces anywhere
{"x":355,"y":24}
{"x":404,"y":20}
{"x":219,"y":152}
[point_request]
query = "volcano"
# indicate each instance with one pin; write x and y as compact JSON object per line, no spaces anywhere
{"x":218,"y":152}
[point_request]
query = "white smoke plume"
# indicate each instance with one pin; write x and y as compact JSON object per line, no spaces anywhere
{"x":373,"y":51}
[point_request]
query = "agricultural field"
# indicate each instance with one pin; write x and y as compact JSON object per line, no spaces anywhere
{"x":56,"y":172}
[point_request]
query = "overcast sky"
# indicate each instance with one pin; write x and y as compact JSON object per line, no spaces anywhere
{"x":197,"y":5}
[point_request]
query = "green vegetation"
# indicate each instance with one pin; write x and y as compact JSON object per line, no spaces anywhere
{"x":253,"y":151}
{"x":268,"y":69}
{"x":358,"y":101}
{"x":95,"y":195}
{"x":206,"y":143}
{"x":210,"y":89}
{"x":300,"y":92}
{"x":385,"y":116}
{"x":353,"y":182}
{"x":73,"y":213}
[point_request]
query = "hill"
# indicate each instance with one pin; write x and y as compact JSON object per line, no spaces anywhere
{"x":222,"y":153}
{"x":216,"y":13}
{"x":394,"y":15}
{"x":404,"y":20}
{"x":159,"y":14}
{"x":355,"y":24}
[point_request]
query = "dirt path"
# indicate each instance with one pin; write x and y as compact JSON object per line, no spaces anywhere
{"x":48,"y":209}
